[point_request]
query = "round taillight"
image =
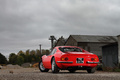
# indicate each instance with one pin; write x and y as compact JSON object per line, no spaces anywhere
{"x":62,"y":58}
{"x":95,"y":59}
{"x":92,"y":59}
{"x":66,"y":58}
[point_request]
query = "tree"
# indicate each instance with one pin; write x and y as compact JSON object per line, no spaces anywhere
{"x":20,"y":60}
{"x":13,"y":58}
{"x":3,"y":59}
{"x":45,"y":52}
{"x":29,"y":58}
{"x":38,"y":55}
{"x":24,"y":56}
{"x":20,"y":52}
{"x":27,"y":54}
{"x":38,"y":52}
{"x":32,"y":52}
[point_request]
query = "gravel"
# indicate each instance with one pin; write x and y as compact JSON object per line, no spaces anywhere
{"x":10,"y":66}
{"x":35,"y":74}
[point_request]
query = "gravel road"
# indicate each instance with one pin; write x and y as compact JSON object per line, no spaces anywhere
{"x":35,"y":74}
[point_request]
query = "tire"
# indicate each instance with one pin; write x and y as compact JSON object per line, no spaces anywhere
{"x":92,"y":70}
{"x":71,"y":70}
{"x":42,"y":68}
{"x":54,"y":66}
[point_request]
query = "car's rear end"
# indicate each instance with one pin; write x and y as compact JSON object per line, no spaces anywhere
{"x":78,"y":60}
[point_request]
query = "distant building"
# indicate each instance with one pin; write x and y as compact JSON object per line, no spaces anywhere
{"x":91,"y":43}
{"x":61,"y":41}
{"x":107,"y":47}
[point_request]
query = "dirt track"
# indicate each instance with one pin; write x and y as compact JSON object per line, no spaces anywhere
{"x":35,"y":74}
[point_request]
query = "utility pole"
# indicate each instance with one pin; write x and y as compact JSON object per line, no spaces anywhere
{"x":52,"y":38}
{"x":40,"y":50}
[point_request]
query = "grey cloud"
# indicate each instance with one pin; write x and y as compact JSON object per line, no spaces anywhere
{"x":24,"y":24}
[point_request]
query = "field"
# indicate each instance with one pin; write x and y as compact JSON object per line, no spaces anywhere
{"x":35,"y":74}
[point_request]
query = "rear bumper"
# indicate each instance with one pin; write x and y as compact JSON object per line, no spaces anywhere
{"x":64,"y":61}
{"x":71,"y":64}
{"x":92,"y":62}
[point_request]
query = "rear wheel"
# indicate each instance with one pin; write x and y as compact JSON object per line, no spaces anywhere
{"x":92,"y":70}
{"x":71,"y":70}
{"x":42,"y":68}
{"x":54,"y":66}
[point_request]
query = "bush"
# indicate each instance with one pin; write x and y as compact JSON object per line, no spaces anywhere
{"x":115,"y":69}
{"x":107,"y":69}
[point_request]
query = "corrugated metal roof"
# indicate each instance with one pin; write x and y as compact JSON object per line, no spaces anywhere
{"x":94,"y":38}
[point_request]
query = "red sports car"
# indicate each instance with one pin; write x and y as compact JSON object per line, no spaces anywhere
{"x":68,"y":58}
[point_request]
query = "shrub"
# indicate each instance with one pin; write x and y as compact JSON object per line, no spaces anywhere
{"x":109,"y":69}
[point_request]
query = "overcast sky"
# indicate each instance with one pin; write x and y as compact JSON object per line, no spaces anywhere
{"x":24,"y":24}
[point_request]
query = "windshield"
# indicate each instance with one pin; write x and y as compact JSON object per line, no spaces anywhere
{"x":70,"y":49}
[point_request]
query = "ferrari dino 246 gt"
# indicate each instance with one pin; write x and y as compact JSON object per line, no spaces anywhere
{"x":68,"y":58}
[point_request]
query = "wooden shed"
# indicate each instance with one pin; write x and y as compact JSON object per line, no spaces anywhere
{"x":91,"y":43}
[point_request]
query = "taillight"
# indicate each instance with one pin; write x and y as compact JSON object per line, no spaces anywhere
{"x":62,"y":58}
{"x":66,"y":58}
{"x":93,"y":59}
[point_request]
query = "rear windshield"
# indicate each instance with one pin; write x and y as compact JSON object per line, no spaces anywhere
{"x":69,"y":49}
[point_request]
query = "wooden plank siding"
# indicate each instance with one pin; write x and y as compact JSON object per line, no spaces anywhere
{"x":110,"y":55}
{"x":71,"y":42}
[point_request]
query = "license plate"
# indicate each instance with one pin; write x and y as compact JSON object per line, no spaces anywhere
{"x":80,"y":60}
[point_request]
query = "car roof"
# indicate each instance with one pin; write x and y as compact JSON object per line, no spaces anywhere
{"x":66,"y":46}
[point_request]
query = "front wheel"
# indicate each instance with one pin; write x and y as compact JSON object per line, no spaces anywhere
{"x":42,"y":68}
{"x":54,"y":66}
{"x":92,"y":70}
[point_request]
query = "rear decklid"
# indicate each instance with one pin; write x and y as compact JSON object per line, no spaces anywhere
{"x":85,"y":57}
{"x":78,"y":54}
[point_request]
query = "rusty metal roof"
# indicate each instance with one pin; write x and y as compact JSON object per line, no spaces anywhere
{"x":94,"y":38}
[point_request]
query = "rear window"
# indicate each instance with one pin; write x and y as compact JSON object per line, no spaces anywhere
{"x":70,"y":49}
